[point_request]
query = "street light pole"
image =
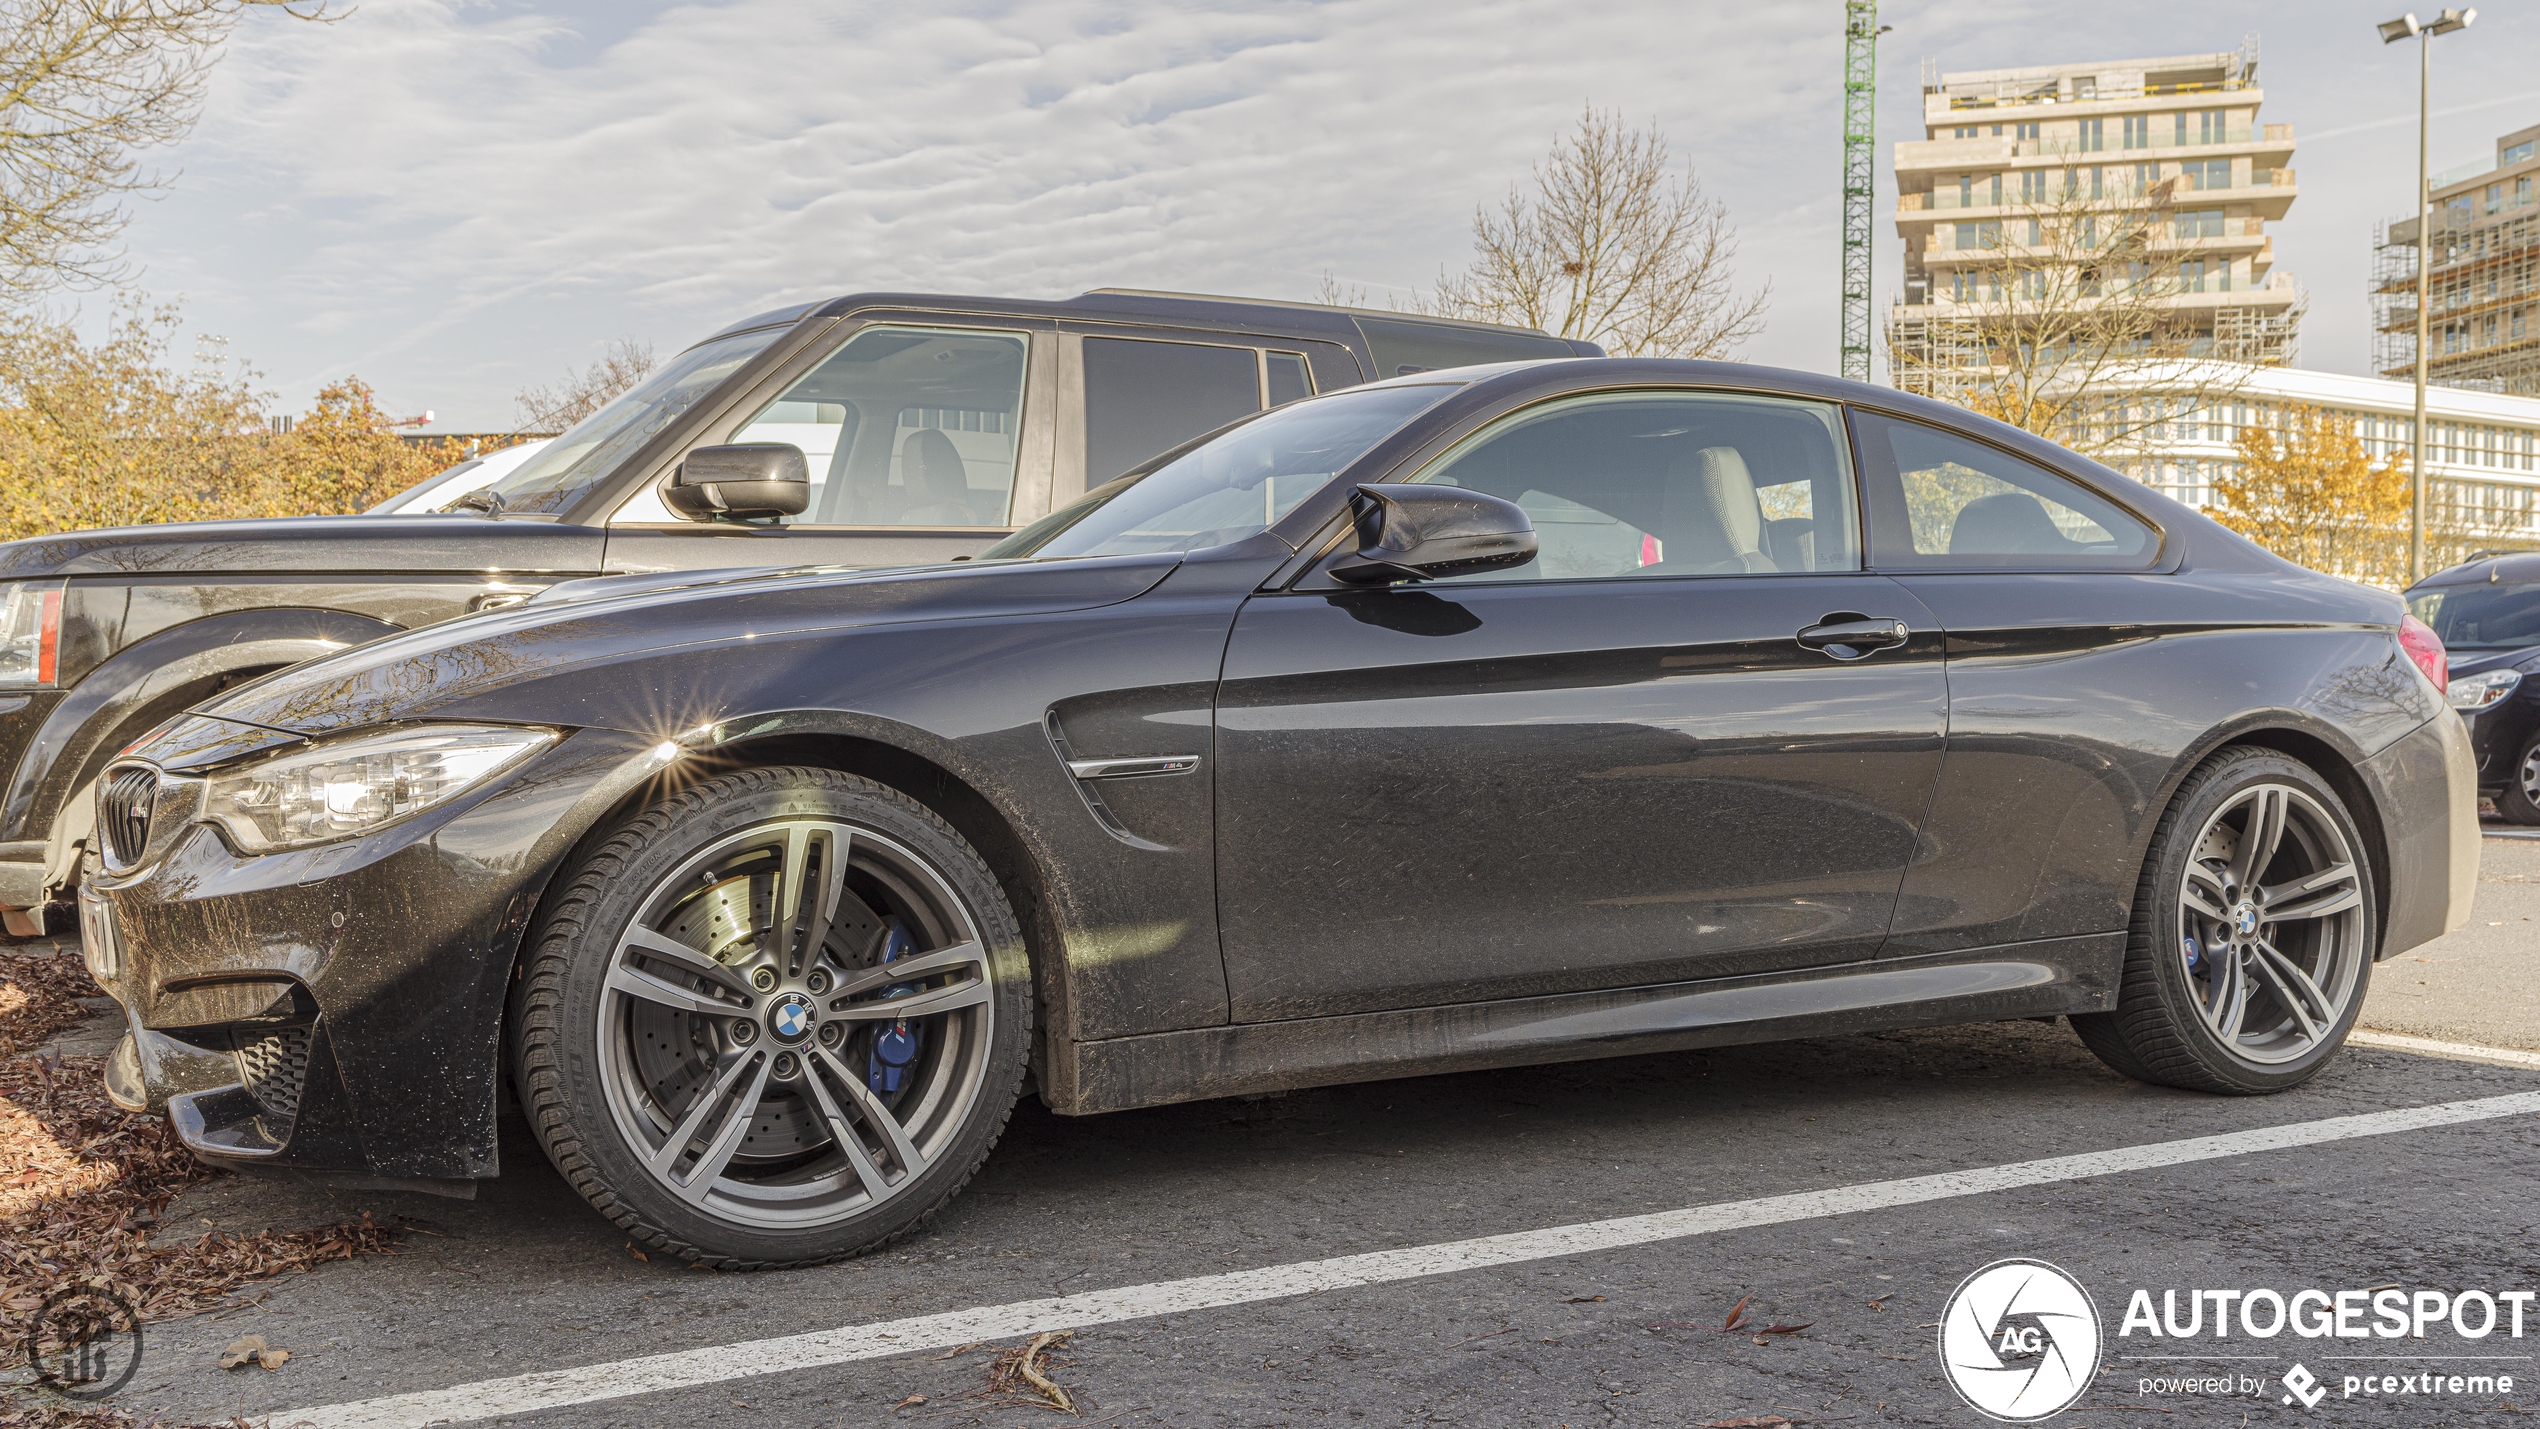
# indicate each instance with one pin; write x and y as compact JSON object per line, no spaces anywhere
{"x":2406,"y":27}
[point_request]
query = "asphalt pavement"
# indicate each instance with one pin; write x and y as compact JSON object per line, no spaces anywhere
{"x":525,"y":1279}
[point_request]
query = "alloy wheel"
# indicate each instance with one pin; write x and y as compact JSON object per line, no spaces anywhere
{"x":2272,"y":933}
{"x":795,"y":1023}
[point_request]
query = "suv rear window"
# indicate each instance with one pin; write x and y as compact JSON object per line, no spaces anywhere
{"x":1402,"y":346}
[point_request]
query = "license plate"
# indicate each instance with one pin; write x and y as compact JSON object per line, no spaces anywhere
{"x":99,"y":946}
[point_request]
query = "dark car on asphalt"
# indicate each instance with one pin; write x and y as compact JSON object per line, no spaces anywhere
{"x":1472,"y":718}
{"x":2487,"y":613}
{"x":931,"y":426}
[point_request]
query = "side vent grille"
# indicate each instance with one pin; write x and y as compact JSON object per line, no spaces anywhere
{"x":124,"y":805}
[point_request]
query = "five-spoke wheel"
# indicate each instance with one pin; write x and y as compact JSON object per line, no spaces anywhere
{"x":798,"y":997}
{"x":2253,"y":933}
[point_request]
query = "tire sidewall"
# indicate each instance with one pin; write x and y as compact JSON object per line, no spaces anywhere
{"x":2198,"y":802}
{"x":630,"y":865}
{"x":2513,"y":802}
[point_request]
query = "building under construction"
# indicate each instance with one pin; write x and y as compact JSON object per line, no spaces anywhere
{"x":2172,"y":145}
{"x":2483,"y":284}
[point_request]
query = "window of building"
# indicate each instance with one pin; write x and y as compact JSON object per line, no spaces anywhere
{"x":2207,"y":174}
{"x":1997,"y":190}
{"x":2517,"y":153}
{"x":2026,"y":131}
{"x":2199,"y":223}
{"x":2036,"y":233}
{"x":2032,"y":185}
{"x":2495,"y":198}
{"x":2181,"y":117}
{"x":1985,"y":234}
{"x":1997,"y":131}
{"x":2093,"y":135}
{"x":2191,"y":276}
{"x":2213,"y":127}
{"x":2146,"y":177}
{"x":2138,"y":131}
{"x":1966,"y":190}
{"x":2096,"y":182}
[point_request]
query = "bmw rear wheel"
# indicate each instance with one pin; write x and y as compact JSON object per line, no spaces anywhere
{"x":2253,"y":934}
{"x":776,"y":1018}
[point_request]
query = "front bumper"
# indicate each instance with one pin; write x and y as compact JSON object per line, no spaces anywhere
{"x":2425,"y":790}
{"x":340,"y":1007}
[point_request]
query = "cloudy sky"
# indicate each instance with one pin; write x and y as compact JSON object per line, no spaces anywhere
{"x":455,"y":198}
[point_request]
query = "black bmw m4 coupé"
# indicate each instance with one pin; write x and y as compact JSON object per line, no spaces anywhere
{"x":1480,"y":717}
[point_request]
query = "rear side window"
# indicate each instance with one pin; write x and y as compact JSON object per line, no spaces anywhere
{"x":1940,"y":501}
{"x":1402,"y":347}
{"x":1142,"y":397}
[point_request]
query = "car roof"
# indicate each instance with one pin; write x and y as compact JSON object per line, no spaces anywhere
{"x":2479,"y":570}
{"x":1267,"y":316}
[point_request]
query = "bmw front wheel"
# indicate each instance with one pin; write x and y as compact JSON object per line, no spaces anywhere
{"x":2253,"y":933}
{"x":777,"y":1018}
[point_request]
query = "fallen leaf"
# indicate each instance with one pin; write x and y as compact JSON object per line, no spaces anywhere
{"x":1736,"y":1314}
{"x":241,"y":1350}
{"x":272,"y":1359}
{"x":912,"y":1399}
{"x":639,"y":1255}
{"x":1749,"y":1421}
{"x":959,"y":1350}
{"x":1584,"y":1300}
{"x":1783,"y":1329}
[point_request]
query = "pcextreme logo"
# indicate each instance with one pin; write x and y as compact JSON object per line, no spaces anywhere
{"x":2019,"y":1341}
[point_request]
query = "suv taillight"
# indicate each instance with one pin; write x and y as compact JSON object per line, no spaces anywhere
{"x":2425,"y":647}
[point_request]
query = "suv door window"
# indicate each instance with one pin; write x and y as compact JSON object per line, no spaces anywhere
{"x":1144,"y":397}
{"x":901,"y":426}
{"x":1668,"y":484}
{"x":1944,"y":502}
{"x":1404,"y":346}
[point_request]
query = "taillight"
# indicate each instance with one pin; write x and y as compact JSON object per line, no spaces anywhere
{"x":2425,"y":647}
{"x":48,"y":650}
{"x":30,"y":634}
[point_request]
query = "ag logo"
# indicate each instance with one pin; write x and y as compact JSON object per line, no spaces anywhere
{"x":2019,"y":1341}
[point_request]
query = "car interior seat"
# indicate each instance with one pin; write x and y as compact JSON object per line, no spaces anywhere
{"x":1711,"y":521}
{"x":2007,"y":523}
{"x":935,"y":483}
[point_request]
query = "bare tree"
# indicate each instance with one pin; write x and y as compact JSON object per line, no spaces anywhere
{"x":2064,"y":317}
{"x":85,"y":85}
{"x":626,"y":362}
{"x":1614,"y":245}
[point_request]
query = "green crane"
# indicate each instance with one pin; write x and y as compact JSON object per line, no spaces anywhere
{"x":1861,"y":31}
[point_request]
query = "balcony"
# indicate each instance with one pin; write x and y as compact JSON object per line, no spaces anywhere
{"x":2275,"y":194}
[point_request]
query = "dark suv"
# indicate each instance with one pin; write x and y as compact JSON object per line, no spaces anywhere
{"x":929,"y":427}
{"x":2487,"y":612}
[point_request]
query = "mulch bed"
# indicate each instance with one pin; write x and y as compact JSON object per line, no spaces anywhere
{"x":84,"y":1185}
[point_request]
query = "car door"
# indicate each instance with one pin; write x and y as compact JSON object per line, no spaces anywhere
{"x":1691,"y":739}
{"x":2064,"y":717}
{"x":926,"y":440}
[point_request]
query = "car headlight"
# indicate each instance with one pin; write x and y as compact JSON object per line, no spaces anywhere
{"x":30,"y":633}
{"x":352,"y":785}
{"x":2477,"y":692}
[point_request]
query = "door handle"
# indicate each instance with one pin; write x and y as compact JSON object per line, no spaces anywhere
{"x":1846,"y":636}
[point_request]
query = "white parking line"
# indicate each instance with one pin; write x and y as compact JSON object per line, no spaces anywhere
{"x":554,"y":1389}
{"x":2458,"y":1051}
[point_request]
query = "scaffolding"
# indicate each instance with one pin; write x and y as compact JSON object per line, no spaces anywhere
{"x":2481,"y":325}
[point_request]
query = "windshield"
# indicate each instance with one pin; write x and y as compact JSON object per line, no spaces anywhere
{"x":2492,"y":615}
{"x":1229,"y":488}
{"x":559,"y":475}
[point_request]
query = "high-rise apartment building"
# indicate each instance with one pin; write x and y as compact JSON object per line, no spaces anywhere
{"x":2483,"y":288}
{"x":2025,"y":178}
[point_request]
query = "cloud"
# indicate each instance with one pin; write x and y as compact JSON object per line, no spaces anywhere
{"x":427,"y":164}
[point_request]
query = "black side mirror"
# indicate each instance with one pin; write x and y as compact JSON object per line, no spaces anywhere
{"x":1409,"y":533}
{"x":749,"y":479}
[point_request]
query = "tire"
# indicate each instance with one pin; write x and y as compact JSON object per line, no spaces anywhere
{"x":2519,"y":800}
{"x":732,"y":1096}
{"x":2239,"y":984}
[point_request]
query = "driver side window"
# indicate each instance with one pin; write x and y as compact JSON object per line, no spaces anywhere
{"x":901,"y":426}
{"x":1667,"y":484}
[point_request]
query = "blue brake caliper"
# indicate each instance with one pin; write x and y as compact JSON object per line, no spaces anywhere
{"x":896,"y":1045}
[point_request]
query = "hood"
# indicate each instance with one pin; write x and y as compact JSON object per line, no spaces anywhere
{"x":425,"y":673}
{"x":311,"y":545}
{"x":2457,"y":663}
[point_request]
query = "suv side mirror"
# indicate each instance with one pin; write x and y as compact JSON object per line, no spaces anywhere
{"x":748,"y":479}
{"x":1409,"y":533}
